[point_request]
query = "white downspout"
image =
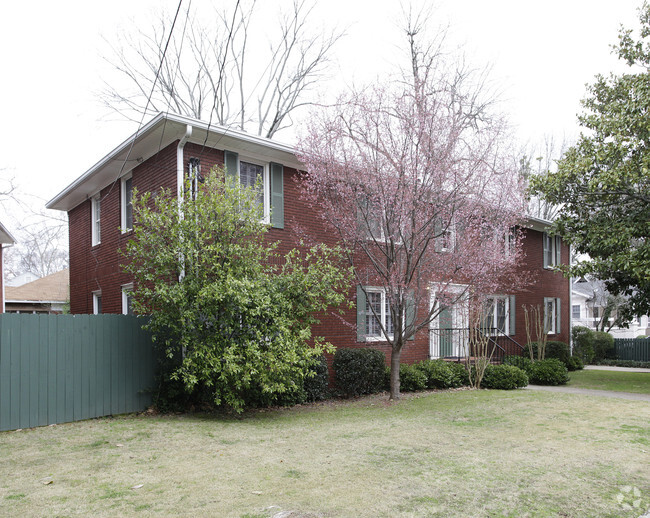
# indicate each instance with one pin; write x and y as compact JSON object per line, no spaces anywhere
{"x":2,"y":272}
{"x":180,"y":181}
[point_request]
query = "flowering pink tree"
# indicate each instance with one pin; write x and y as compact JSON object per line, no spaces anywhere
{"x":417,"y":181}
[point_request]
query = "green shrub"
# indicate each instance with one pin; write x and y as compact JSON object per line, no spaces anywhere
{"x":522,"y":362}
{"x":359,"y":371}
{"x":317,"y":386}
{"x":504,"y":377}
{"x":554,"y":349}
{"x":411,"y":378}
{"x":583,"y":343}
{"x":603,"y":346}
{"x":438,"y":373}
{"x":461,"y":376}
{"x":548,"y":372}
{"x":574,"y":364}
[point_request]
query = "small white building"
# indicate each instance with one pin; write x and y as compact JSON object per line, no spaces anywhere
{"x":588,"y":301}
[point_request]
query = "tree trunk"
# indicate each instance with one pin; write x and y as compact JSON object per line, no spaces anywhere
{"x":394,"y":372}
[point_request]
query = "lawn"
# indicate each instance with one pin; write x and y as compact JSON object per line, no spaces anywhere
{"x":618,"y":381}
{"x":457,"y":453}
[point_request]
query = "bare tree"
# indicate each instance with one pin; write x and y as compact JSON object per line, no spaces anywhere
{"x":214,"y":68}
{"x":537,"y":161}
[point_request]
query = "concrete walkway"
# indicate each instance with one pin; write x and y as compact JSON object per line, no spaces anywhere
{"x":619,"y":369}
{"x":590,"y":392}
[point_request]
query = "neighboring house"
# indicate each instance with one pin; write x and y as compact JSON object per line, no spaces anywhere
{"x":171,"y":147}
{"x":49,"y":294}
{"x":589,"y":300}
{"x":6,"y":240}
{"x":21,"y":279}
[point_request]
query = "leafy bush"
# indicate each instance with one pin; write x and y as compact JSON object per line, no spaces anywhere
{"x":439,"y":374}
{"x":317,"y":386}
{"x":412,"y":378}
{"x":603,"y":346}
{"x":522,"y":362}
{"x":554,"y":349}
{"x":583,"y":343}
{"x":504,"y":377}
{"x":548,"y":372}
{"x":359,"y":371}
{"x":461,"y":376}
{"x":574,"y":364}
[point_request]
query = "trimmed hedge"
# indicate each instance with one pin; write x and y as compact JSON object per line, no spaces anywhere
{"x":358,"y":371}
{"x":548,"y":372}
{"x":504,"y":377}
{"x":411,"y":378}
{"x":523,"y":362}
{"x":442,"y":375}
{"x":583,"y":343}
{"x":317,"y":386}
{"x":554,"y":349}
{"x":603,"y":346}
{"x":575,"y":364}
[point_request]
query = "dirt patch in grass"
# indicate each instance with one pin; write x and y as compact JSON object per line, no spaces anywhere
{"x":457,"y":453}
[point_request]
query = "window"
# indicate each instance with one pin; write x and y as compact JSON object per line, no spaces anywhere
{"x":552,"y":314}
{"x":575,"y":311}
{"x":552,"y":250}
{"x":127,"y":299}
{"x":126,"y":203}
{"x":97,"y":302}
{"x":95,"y":209}
{"x":445,"y":240}
{"x":497,"y":314}
{"x":373,"y":311}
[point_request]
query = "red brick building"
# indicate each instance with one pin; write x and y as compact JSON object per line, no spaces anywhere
{"x":162,"y":153}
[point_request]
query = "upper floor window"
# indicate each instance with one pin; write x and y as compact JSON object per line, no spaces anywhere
{"x":95,"y":209}
{"x":552,"y":250}
{"x":446,"y":236}
{"x":250,"y":172}
{"x":126,"y":203}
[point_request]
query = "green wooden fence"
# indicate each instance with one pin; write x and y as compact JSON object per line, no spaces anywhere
{"x":637,"y":349}
{"x":62,"y":368}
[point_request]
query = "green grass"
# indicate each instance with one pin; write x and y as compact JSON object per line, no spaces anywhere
{"x":458,"y":453}
{"x":638,"y":382}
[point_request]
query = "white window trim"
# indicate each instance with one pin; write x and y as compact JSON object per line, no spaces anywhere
{"x":553,"y":327}
{"x":123,"y":228}
{"x":266,"y":181}
{"x":505,"y":298}
{"x":97,"y":295}
{"x":95,"y":223}
{"x":573,"y":312}
{"x":126,"y":288}
{"x":374,"y":289}
{"x":451,"y":230}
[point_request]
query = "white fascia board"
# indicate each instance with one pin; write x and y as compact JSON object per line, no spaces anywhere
{"x":157,"y":134}
{"x":5,"y":236}
{"x":541,"y":225}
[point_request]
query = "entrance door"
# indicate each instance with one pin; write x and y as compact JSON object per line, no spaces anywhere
{"x":449,"y":331}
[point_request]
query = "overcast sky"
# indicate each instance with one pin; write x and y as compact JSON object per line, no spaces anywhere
{"x":54,"y":128}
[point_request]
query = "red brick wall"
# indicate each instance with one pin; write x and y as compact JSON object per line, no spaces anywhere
{"x":97,"y":268}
